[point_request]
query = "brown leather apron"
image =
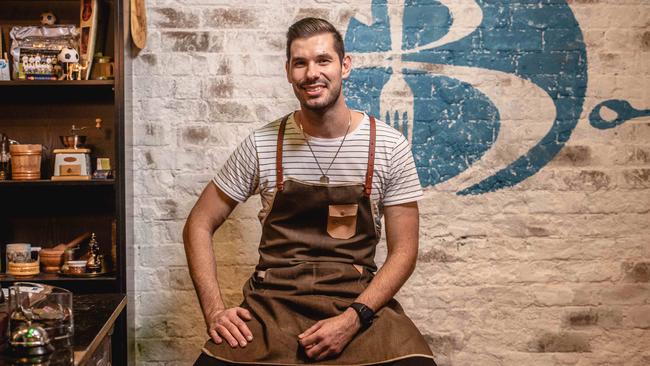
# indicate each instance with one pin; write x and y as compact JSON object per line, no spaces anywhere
{"x":316,"y":256}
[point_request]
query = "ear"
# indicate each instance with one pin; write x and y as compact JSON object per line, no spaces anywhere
{"x":346,"y":67}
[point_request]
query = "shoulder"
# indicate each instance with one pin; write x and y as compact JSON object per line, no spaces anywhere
{"x":269,"y":130}
{"x":388,"y":136}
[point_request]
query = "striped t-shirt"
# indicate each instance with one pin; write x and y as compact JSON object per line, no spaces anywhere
{"x":251,"y":167}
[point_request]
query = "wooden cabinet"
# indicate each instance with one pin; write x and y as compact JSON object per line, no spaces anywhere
{"x":45,"y":212}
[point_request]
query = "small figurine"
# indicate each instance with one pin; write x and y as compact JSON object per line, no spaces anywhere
{"x":78,"y":70}
{"x":68,"y":57}
{"x":48,"y":18}
{"x":94,"y":263}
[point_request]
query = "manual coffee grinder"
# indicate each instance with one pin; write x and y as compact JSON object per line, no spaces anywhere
{"x":73,"y":162}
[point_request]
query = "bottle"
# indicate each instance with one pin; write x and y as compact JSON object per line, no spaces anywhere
{"x":5,"y":157}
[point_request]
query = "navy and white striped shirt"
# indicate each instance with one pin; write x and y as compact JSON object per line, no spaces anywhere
{"x":251,"y":167}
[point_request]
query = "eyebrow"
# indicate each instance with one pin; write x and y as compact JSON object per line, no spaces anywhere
{"x":322,"y":55}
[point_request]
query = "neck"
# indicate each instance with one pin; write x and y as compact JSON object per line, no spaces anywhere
{"x":330,"y":123}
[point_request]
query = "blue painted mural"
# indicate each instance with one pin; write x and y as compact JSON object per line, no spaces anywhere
{"x":439,"y":70}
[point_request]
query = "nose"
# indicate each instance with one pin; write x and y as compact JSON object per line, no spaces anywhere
{"x":312,"y":71}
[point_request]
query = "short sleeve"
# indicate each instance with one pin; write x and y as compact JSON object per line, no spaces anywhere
{"x":239,"y":176}
{"x":403,"y":184}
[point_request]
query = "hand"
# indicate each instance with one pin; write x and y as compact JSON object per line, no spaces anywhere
{"x":329,"y":337}
{"x":229,"y":324}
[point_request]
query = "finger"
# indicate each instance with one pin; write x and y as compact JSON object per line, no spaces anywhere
{"x":326,"y":353}
{"x":315,"y":351}
{"x":215,"y":336}
{"x":234,"y":331}
{"x":243,"y":328}
{"x":311,"y":339}
{"x":225,"y":333}
{"x":244,"y":314}
{"x":311,"y":330}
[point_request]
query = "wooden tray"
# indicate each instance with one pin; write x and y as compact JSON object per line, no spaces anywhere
{"x":84,"y":275}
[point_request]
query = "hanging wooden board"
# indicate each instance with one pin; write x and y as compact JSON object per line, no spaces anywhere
{"x":139,"y":23}
{"x":88,"y":27}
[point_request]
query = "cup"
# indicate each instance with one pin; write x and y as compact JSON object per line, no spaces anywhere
{"x":19,"y":253}
{"x":103,"y":68}
{"x":76,"y":267}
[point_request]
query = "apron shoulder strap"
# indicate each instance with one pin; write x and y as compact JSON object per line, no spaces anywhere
{"x":279,"y":177}
{"x":371,"y":157}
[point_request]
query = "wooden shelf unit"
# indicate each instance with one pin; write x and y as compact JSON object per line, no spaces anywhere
{"x":43,"y":212}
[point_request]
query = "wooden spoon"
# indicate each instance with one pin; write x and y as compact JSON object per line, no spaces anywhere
{"x":139,"y":23}
{"x":74,"y":242}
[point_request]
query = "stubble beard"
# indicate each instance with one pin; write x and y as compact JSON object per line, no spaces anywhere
{"x":321,"y":107}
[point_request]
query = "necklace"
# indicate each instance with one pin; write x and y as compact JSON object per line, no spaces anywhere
{"x":324,"y":178}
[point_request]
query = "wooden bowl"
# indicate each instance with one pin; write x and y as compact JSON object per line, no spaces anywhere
{"x":51,"y":260}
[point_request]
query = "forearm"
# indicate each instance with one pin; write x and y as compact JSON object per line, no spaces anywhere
{"x":389,"y":279}
{"x":202,"y":265}
{"x":402,"y":233}
{"x":209,"y":212}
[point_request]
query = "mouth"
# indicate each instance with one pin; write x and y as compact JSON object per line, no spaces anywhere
{"x":313,"y":89}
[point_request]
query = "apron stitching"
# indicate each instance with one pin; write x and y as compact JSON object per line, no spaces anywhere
{"x":205,"y":350}
{"x":318,"y":184}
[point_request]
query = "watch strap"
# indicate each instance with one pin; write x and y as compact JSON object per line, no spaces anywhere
{"x":366,"y":314}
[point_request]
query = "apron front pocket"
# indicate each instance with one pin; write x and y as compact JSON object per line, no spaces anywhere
{"x":342,"y":221}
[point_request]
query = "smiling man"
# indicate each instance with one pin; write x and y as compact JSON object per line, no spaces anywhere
{"x":326,"y":175}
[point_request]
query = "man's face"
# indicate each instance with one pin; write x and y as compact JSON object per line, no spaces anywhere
{"x":316,"y":72}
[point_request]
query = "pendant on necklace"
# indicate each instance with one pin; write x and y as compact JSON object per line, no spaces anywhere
{"x":324,"y":179}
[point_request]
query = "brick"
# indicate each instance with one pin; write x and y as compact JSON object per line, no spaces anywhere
{"x":637,"y":272}
{"x":174,"y":18}
{"x":564,"y":342}
{"x":639,"y":317}
{"x":230,"y":18}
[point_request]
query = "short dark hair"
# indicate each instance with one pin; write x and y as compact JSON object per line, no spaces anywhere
{"x":309,"y":27}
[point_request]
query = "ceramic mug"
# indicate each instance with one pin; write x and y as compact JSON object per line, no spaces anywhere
{"x":103,"y":68}
{"x":19,"y":253}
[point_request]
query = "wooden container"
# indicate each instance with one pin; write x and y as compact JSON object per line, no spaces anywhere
{"x":26,"y":161}
{"x":51,"y":260}
{"x":23,"y":269}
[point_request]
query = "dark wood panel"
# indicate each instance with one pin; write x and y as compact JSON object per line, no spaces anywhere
{"x":28,"y":12}
{"x":54,"y":116}
{"x":46,"y":215}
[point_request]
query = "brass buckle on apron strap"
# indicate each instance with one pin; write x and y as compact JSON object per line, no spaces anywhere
{"x":260,"y":275}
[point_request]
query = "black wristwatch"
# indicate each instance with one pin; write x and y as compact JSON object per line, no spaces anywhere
{"x":366,"y":315}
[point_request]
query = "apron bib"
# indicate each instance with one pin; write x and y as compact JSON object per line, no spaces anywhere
{"x":316,"y":256}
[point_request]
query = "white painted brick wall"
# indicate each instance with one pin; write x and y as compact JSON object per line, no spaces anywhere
{"x":552,"y":271}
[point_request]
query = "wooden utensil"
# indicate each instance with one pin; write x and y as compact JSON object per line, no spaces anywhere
{"x":139,"y":23}
{"x":72,"y":243}
{"x":52,"y":258}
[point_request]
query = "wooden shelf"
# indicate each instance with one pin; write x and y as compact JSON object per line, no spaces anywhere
{"x":57,"y":83}
{"x":49,"y":277}
{"x":48,"y":182}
